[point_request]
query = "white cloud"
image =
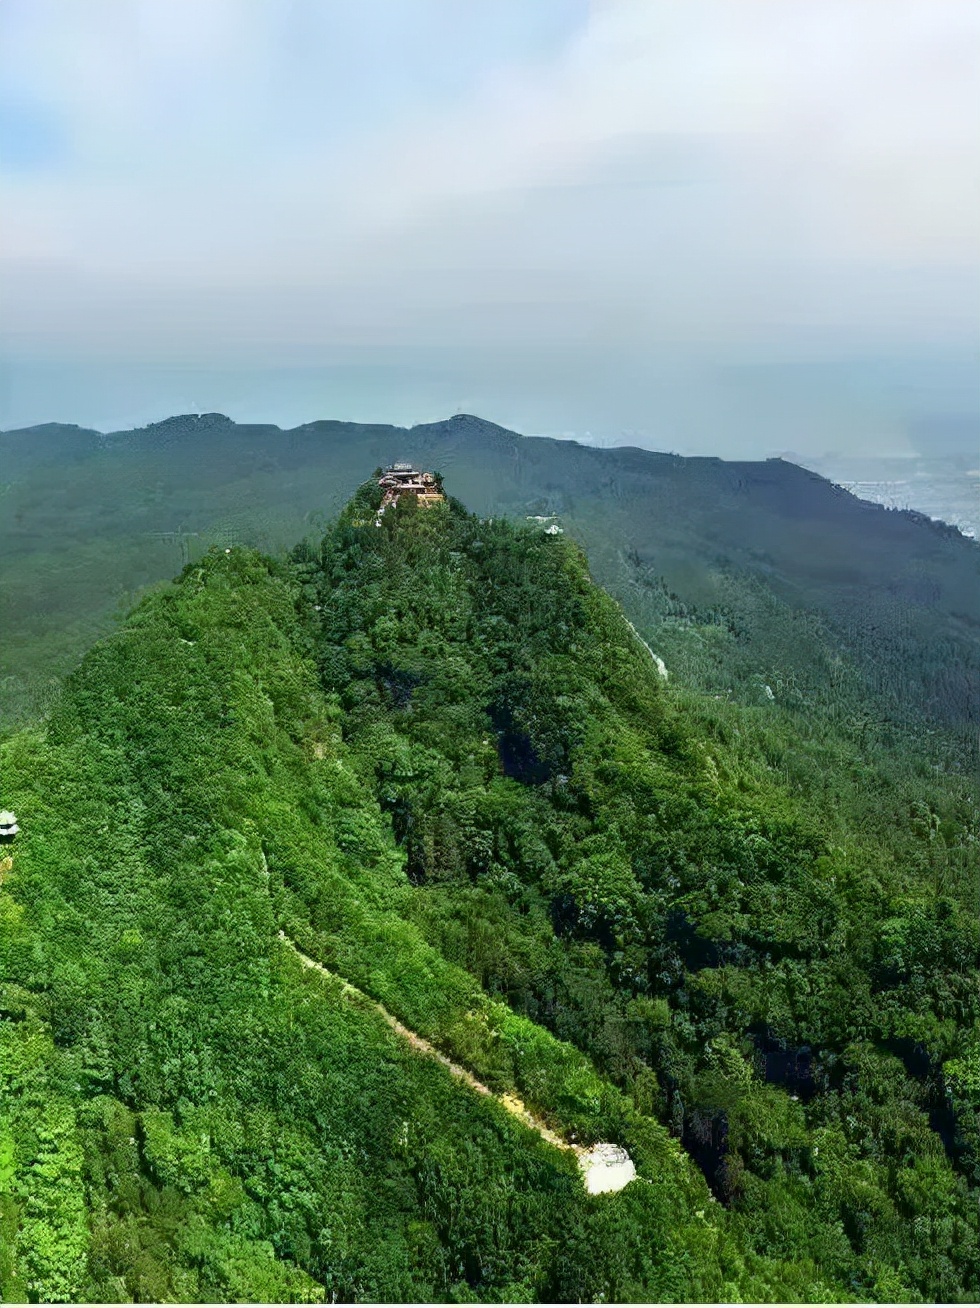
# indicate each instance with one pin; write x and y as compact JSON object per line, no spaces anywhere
{"x":717,"y":176}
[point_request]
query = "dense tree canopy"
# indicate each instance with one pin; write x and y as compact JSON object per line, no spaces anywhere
{"x":433,"y":754}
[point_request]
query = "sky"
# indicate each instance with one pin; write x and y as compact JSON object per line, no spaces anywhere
{"x":731,"y":227}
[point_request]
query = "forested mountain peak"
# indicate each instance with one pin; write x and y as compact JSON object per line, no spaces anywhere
{"x":183,"y":424}
{"x":421,"y":787}
{"x":465,"y":426}
{"x":47,"y":430}
{"x":801,"y":583}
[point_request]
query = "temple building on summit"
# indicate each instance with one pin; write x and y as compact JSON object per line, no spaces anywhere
{"x":404,"y":479}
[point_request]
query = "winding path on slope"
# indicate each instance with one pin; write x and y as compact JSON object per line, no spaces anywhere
{"x":605,"y":1167}
{"x":661,"y":666}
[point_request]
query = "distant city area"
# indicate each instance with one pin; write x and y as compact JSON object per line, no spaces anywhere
{"x":946,"y":488}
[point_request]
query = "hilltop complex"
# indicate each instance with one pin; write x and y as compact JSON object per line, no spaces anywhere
{"x":402,"y":479}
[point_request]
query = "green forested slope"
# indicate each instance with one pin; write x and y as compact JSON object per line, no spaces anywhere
{"x":437,"y":758}
{"x":796,"y":577}
{"x":186,"y":1114}
{"x":729,"y":916}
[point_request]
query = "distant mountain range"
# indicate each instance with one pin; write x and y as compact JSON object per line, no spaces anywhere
{"x":91,"y":518}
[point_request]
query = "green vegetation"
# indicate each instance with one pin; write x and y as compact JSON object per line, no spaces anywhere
{"x":813,"y":589}
{"x":739,"y":938}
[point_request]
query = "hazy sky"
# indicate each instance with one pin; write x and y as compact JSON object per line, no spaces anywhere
{"x":722,"y":226}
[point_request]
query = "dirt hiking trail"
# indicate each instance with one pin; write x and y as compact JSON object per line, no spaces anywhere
{"x":605,"y":1167}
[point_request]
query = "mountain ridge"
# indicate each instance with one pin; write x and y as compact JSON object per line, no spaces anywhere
{"x":470,"y":425}
{"x":434,"y":756}
{"x":132,"y":509}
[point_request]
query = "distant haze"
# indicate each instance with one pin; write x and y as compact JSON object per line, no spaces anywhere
{"x":713,"y":226}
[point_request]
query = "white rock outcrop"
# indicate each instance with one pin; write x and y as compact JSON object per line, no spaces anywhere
{"x":606,"y":1168}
